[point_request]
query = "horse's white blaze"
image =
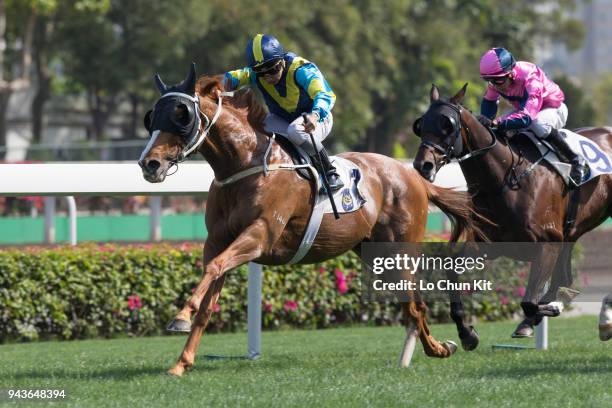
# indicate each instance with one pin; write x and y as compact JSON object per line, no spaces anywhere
{"x":409,"y":345}
{"x":145,"y":152}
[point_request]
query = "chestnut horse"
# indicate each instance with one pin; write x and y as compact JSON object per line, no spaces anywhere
{"x":262,"y":217}
{"x":527,"y":203}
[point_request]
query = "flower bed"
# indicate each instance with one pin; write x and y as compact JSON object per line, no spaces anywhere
{"x":105,"y":291}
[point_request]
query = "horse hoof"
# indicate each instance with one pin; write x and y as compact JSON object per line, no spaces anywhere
{"x":522,"y":331}
{"x":176,"y":371}
{"x":180,"y":326}
{"x":552,"y":309}
{"x":469,"y":341}
{"x":605,"y":332}
{"x":451,"y":346}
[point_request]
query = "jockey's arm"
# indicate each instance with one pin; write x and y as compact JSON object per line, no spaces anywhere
{"x":237,"y":79}
{"x":527,"y":111}
{"x":311,"y":79}
{"x":490,"y":100}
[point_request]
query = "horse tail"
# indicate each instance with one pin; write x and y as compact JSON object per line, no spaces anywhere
{"x":458,"y":206}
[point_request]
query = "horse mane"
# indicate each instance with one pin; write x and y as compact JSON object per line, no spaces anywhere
{"x":243,"y":104}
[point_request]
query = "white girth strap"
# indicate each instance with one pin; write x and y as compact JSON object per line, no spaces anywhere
{"x":258,"y":169}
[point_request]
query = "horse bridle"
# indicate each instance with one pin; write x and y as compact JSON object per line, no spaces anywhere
{"x":199,"y":132}
{"x":454,"y":141}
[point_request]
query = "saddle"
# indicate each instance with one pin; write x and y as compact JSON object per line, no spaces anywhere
{"x":349,"y":197}
{"x":597,"y":160}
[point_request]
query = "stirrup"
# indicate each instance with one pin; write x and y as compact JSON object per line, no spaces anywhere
{"x":578,"y":171}
{"x":334,"y":180}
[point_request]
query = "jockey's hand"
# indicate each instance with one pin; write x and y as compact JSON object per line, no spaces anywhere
{"x":485,"y":121}
{"x":310,"y":121}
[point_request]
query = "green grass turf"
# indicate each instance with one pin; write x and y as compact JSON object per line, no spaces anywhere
{"x":338,"y":367}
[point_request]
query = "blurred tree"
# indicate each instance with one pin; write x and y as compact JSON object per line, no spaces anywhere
{"x":602,"y":97}
{"x":15,"y":52}
{"x":581,"y":109}
{"x":381,"y":59}
{"x":111,"y":52}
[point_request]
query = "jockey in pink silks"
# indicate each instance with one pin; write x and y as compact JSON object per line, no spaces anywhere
{"x":538,"y":102}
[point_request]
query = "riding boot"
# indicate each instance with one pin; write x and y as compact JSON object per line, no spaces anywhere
{"x":333,"y":178}
{"x":579,"y":168}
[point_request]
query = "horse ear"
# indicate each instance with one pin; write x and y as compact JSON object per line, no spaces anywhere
{"x":188,"y":84}
{"x":163,"y":88}
{"x":147,"y":120}
{"x":458,"y":98}
{"x":434,"y":94}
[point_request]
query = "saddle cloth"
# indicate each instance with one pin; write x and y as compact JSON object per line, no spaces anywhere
{"x":597,"y":160}
{"x":348,"y":198}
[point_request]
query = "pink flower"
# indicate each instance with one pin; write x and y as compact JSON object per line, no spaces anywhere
{"x":522,"y":273}
{"x":290,"y":306}
{"x":267,"y":308}
{"x":504,"y":300}
{"x":341,"y":282}
{"x":519,"y":291}
{"x":216,"y":308}
{"x":350,"y":276}
{"x":134,"y":302}
{"x":322,"y":270}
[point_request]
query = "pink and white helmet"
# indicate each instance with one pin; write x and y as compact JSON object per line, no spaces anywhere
{"x":497,"y":62}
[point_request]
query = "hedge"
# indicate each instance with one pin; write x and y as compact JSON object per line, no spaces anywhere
{"x":105,"y":291}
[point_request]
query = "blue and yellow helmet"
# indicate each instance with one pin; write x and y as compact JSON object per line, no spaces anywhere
{"x":262,"y":50}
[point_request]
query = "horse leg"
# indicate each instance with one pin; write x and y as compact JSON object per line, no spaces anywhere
{"x":467,"y":334}
{"x":539,"y":274}
{"x":417,"y":311}
{"x":605,"y":319}
{"x":562,"y":277}
{"x":248,"y":246}
{"x":202,"y":317}
{"x":182,"y":321}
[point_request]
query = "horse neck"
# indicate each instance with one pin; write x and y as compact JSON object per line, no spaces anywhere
{"x":232,"y":144}
{"x":486,"y":172}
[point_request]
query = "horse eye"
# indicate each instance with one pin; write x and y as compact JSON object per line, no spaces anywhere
{"x":416,"y":126}
{"x":148,"y":120}
{"x":447,"y":125}
{"x":181,"y":114}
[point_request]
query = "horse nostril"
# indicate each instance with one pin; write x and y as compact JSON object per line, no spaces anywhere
{"x":427,"y":166}
{"x":153,"y":165}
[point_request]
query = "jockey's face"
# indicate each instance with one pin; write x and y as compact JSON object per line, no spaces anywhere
{"x":273,"y":75}
{"x":501,"y":84}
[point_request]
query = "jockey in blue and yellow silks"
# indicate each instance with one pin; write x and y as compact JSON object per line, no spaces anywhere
{"x":291,"y":86}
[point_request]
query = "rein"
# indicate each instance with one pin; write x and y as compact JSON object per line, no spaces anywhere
{"x":265,"y":168}
{"x":198,"y":138}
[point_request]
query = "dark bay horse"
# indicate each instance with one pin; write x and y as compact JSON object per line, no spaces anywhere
{"x":262,"y":217}
{"x":528,"y":203}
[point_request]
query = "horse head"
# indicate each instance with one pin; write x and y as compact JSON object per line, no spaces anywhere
{"x":192,"y":117}
{"x":441,"y":132}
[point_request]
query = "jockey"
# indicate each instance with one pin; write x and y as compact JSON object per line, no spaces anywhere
{"x":538,"y":102}
{"x":291,"y":86}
